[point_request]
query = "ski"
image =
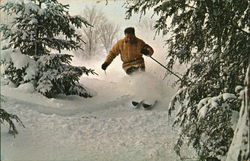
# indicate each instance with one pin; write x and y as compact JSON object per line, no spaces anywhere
{"x":147,"y":106}
{"x":137,"y":104}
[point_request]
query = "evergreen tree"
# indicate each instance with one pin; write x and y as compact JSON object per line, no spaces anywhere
{"x":212,"y":37}
{"x":39,"y":26}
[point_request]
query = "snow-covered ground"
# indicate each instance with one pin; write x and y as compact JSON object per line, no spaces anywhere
{"x":102,"y":128}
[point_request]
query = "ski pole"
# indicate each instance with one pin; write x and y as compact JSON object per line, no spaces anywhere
{"x":165,"y":67}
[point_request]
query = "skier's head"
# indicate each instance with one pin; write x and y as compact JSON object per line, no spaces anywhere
{"x":129,"y":30}
{"x":129,"y":34}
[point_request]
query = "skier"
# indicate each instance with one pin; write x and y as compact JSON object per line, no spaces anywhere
{"x":131,"y":50}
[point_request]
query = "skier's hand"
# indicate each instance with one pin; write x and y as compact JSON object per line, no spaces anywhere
{"x":104,"y":66}
{"x":145,"y":51}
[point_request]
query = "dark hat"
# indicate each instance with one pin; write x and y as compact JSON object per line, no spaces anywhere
{"x":129,"y":30}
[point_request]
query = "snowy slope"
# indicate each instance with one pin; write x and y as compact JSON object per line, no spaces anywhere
{"x":104,"y":127}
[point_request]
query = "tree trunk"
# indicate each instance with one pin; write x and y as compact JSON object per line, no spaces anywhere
{"x":239,"y":149}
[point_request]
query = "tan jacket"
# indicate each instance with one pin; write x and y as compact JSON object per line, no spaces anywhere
{"x":130,"y":53}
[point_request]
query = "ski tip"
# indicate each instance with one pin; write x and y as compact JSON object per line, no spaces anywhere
{"x":146,"y":105}
{"x":137,"y":104}
{"x":149,"y":106}
{"x":134,"y":103}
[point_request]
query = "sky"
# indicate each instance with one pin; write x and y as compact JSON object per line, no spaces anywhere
{"x":113,"y":10}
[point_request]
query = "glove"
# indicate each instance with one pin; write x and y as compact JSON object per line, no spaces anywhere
{"x":145,"y":51}
{"x":104,"y":66}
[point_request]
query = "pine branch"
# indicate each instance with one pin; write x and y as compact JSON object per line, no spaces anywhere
{"x":4,"y":116}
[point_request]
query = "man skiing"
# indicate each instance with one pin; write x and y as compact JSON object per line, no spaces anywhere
{"x":131,"y":50}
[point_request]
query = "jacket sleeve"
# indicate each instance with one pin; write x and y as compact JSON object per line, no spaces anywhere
{"x":113,"y":53}
{"x":149,"y":48}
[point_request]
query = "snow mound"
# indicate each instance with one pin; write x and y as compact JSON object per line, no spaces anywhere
{"x":27,"y":88}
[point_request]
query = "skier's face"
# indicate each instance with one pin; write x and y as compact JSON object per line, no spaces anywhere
{"x":129,"y":38}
